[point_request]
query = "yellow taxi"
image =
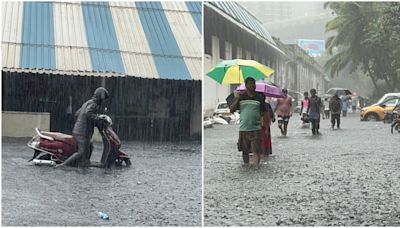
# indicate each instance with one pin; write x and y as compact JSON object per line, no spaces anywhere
{"x":376,"y":111}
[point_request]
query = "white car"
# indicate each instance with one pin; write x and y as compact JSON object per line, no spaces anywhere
{"x":388,"y":96}
{"x":222,"y":110}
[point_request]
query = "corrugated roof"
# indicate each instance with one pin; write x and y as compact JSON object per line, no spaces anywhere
{"x":62,"y":72}
{"x":146,"y":39}
{"x":101,"y":37}
{"x":245,"y":18}
{"x":195,"y":9}
{"x":38,"y":48}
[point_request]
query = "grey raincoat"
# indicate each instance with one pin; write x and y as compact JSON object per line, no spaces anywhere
{"x":87,"y":118}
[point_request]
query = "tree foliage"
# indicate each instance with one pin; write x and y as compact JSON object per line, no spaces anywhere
{"x":367,"y":36}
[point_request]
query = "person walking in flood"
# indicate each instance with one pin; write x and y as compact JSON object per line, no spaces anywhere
{"x":284,"y":111}
{"x":326,"y":108}
{"x":344,"y":105}
{"x":335,"y":105}
{"x":315,"y":109}
{"x":266,"y":120}
{"x":304,"y":108}
{"x":252,"y":108}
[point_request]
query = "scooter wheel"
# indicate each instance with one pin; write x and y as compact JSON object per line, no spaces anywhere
{"x":118,"y":162}
{"x":45,"y":157}
{"x":127,"y":162}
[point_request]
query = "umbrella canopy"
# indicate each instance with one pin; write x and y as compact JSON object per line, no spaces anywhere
{"x":237,"y":70}
{"x":268,"y":90}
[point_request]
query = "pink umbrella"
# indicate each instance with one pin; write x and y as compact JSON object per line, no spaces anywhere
{"x":269,"y":90}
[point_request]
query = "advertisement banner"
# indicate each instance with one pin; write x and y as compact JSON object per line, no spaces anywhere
{"x":313,"y":47}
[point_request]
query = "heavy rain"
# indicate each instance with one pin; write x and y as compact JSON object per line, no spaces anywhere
{"x":162,"y":186}
{"x":101,"y":123}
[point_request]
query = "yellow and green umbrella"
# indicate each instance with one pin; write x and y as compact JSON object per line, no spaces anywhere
{"x":237,"y":70}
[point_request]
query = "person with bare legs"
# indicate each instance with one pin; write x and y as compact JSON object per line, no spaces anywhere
{"x":283,"y":110}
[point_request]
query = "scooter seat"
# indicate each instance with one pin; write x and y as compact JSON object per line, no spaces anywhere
{"x":69,"y":139}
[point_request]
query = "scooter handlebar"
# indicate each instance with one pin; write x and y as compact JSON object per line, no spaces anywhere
{"x":105,"y":118}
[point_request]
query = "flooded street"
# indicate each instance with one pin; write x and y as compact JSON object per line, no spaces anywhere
{"x":161,"y":188}
{"x":343,"y":177}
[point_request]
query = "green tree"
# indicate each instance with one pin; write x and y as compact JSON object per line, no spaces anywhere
{"x":383,"y":44}
{"x":367,"y":36}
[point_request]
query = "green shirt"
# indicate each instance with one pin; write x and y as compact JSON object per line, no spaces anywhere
{"x":250,"y":112}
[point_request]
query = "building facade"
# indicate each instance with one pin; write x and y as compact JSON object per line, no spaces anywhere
{"x":302,"y":72}
{"x":231,"y":32}
{"x":141,"y":40}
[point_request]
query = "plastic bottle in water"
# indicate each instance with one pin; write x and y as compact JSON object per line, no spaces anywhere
{"x":103,"y":216}
{"x":44,"y":162}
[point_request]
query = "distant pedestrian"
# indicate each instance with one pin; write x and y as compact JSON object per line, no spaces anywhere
{"x":252,"y":107}
{"x":326,"y":107}
{"x":354,"y":104}
{"x":304,"y":107}
{"x":314,"y":111}
{"x":335,"y":105}
{"x":344,"y":105}
{"x":284,"y":112}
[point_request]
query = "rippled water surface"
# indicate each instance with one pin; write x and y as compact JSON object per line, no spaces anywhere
{"x":162,"y":187}
{"x":343,"y":177}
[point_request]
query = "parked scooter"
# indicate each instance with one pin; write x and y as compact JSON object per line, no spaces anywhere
{"x":396,"y":121}
{"x":51,"y":148}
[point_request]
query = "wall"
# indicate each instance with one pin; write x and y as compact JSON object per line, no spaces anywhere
{"x":142,"y":109}
{"x":23,"y":124}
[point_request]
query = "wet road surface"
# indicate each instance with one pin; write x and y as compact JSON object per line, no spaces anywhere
{"x":161,"y":188}
{"x":343,"y":177}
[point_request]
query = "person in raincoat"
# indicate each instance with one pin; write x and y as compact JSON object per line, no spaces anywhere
{"x":87,"y":117}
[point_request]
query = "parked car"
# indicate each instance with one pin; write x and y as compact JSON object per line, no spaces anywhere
{"x":223,"y":111}
{"x":388,"y":96}
{"x":376,"y":111}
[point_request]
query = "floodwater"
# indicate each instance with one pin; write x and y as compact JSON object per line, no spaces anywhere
{"x":161,"y":188}
{"x":346,"y":177}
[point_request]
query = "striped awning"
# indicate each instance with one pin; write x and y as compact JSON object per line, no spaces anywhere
{"x":146,"y":39}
